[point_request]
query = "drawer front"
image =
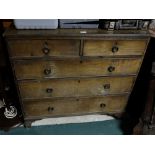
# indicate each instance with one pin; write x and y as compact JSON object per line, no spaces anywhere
{"x":73,"y":68}
{"x":48,"y":89}
{"x":62,"y":107}
{"x":74,"y":88}
{"x":111,"y":48}
{"x":40,"y":48}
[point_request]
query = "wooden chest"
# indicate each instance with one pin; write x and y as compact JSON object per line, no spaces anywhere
{"x":73,"y":71}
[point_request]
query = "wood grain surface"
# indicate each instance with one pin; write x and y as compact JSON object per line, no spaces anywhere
{"x":106,"y":48}
{"x":29,"y":69}
{"x":75,"y":88}
{"x":40,"y":48}
{"x":63,"y":107}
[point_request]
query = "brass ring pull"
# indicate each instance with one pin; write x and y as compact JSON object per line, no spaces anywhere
{"x":47,"y":71}
{"x":50,"y":109}
{"x":115,"y":49}
{"x":111,"y":68}
{"x":49,"y":90}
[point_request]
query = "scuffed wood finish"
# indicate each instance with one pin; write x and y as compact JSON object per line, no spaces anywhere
{"x":105,"y":86}
{"x":106,"y":47}
{"x":43,"y":48}
{"x":65,"y":72}
{"x":38,"y":89}
{"x":71,"y":33}
{"x":75,"y":68}
{"x":75,"y":88}
{"x":76,"y":106}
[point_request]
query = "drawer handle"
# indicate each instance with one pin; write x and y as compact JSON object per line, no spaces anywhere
{"x":46,"y":50}
{"x":102,"y":105}
{"x":49,"y":90}
{"x":111,"y":68}
{"x":50,"y":109}
{"x":47,"y":71}
{"x":106,"y":86}
{"x":115,"y":49}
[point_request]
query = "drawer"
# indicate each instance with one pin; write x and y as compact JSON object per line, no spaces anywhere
{"x":75,"y":87}
{"x":112,"y":48}
{"x":40,"y":48}
{"x":77,"y":106}
{"x":74,"y":68}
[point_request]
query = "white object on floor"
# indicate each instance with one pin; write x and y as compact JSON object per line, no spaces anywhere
{"x":72,"y":119}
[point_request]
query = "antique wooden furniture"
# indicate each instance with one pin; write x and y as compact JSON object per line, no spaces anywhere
{"x":73,"y":71}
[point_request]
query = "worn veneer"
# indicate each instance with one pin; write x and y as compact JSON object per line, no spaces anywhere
{"x":65,"y":72}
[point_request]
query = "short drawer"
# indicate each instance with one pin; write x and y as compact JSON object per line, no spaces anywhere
{"x":41,"y":48}
{"x":114,"y":48}
{"x":77,"y":106}
{"x":73,"y":68}
{"x":74,"y":88}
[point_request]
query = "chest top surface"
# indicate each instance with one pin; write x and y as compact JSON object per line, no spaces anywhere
{"x":12,"y":33}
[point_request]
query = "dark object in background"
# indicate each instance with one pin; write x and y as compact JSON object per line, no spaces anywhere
{"x":147,"y":120}
{"x":146,"y":123}
{"x":7,"y":88}
{"x":136,"y":106}
{"x":124,"y":24}
{"x":79,"y":23}
{"x":107,"y":24}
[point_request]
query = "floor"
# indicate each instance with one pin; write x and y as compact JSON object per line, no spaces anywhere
{"x":77,"y":125}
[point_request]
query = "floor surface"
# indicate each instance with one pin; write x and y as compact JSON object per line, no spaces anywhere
{"x":109,"y":127}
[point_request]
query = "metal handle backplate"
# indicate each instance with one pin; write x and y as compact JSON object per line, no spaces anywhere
{"x":102,"y":105}
{"x":47,"y":71}
{"x":49,"y":90}
{"x":50,"y":109}
{"x":46,"y":50}
{"x":111,"y":68}
{"x":115,"y":49}
{"x":106,"y":86}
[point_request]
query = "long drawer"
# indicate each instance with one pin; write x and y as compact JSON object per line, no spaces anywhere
{"x":40,"y":48}
{"x":31,"y":69}
{"x":75,"y":87}
{"x":114,"y":48}
{"x":62,"y":107}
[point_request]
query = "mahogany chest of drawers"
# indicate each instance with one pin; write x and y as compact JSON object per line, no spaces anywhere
{"x":73,"y":71}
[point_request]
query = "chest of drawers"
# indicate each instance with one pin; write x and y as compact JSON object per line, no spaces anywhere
{"x":68,"y":72}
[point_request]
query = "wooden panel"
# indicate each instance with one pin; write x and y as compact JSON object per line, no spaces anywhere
{"x":62,"y":107}
{"x":73,"y":68}
{"x":91,"y":33}
{"x":41,"y":48}
{"x":59,"y":88}
{"x":104,"y":86}
{"x":72,"y":88}
{"x":114,"y":48}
